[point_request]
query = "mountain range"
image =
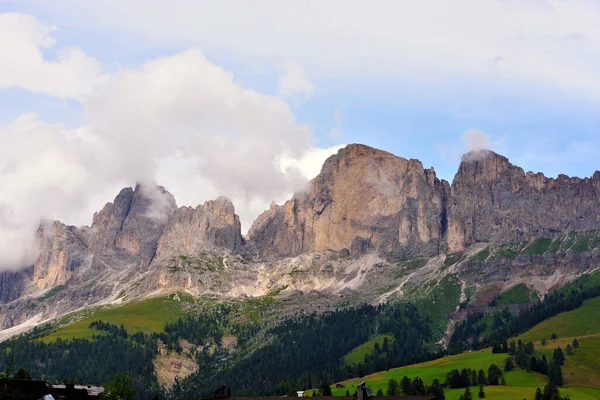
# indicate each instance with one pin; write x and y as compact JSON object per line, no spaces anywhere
{"x":371,"y":227}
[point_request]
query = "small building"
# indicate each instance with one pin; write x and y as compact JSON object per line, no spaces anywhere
{"x":340,"y":386}
{"x":35,"y":390}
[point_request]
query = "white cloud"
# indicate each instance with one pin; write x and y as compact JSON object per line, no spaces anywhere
{"x":295,"y":84}
{"x":475,"y":141}
{"x":310,"y":163}
{"x":546,"y":43}
{"x":23,"y":64}
{"x":181,"y":121}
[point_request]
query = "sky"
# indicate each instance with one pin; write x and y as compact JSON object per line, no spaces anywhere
{"x":246,"y":99}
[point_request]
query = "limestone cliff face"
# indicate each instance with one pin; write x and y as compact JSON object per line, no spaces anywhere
{"x":363,"y":199}
{"x":132,"y":224}
{"x":369,"y":200}
{"x":493,"y":200}
{"x":213,"y":226}
{"x":108,"y":223}
{"x":61,"y":252}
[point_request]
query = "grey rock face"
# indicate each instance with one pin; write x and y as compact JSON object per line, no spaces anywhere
{"x":369,"y":200}
{"x":364,"y":199}
{"x":13,"y":284}
{"x":213,"y":227}
{"x":364,"y":208}
{"x":493,"y":200}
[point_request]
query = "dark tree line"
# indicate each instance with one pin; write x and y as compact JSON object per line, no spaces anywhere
{"x":304,"y":352}
{"x":469,"y":334}
{"x":94,"y":361}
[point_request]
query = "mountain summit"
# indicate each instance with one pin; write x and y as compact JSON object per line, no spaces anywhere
{"x":367,"y":210}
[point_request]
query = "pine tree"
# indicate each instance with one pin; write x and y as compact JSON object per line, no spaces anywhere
{"x":437,"y":390}
{"x":379,"y":393}
{"x":575,"y":344}
{"x":466,"y":395}
{"x":555,"y":374}
{"x":481,"y":394}
{"x":392,"y":389}
{"x":418,"y":387}
{"x":509,"y":364}
{"x":405,"y":386}
{"x":326,"y":389}
{"x":386,"y":345}
{"x":481,"y":378}
{"x":494,"y":374}
{"x":538,"y":394}
{"x":558,"y":356}
{"x":569,"y":350}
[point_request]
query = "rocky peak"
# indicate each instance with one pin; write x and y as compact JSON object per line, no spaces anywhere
{"x":108,"y":223}
{"x":494,"y":200}
{"x":213,"y":226}
{"x":484,"y":167}
{"x":363,"y":199}
{"x":132,"y":223}
{"x":151,"y":207}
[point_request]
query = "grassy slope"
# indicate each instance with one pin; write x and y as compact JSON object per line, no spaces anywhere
{"x":519,"y":294}
{"x":357,"y":355}
{"x":146,"y":316}
{"x":519,"y":383}
{"x":582,"y":321}
{"x":581,"y":370}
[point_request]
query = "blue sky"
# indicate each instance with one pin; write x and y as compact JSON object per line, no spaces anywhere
{"x":246,"y":99}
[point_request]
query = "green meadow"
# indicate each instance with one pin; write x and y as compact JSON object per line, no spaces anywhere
{"x":581,"y":370}
{"x":147,"y":316}
{"x":357,"y":355}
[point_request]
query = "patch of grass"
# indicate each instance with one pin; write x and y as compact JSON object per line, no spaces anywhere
{"x":483,"y":255}
{"x":254,"y":308}
{"x":519,"y":383}
{"x":582,"y":321}
{"x":583,"y":367}
{"x":439,"y":300}
{"x":431,"y":370}
{"x":584,"y":281}
{"x":452,"y":259}
{"x":413,"y":264}
{"x":511,"y":250}
{"x":357,"y":355}
{"x":52,"y":292}
{"x":554,"y":247}
{"x":203,"y":262}
{"x":538,"y":246}
{"x":518,"y":294}
{"x":147,"y":316}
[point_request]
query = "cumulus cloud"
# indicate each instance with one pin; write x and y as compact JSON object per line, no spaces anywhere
{"x":295,"y":84}
{"x":475,"y":141}
{"x":545,"y":43}
{"x":180,"y":121}
{"x":23,"y":40}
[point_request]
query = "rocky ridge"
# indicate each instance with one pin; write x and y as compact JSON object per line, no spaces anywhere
{"x":351,"y":235}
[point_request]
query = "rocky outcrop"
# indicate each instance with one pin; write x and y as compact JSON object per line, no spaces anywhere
{"x":61,"y":252}
{"x":363,"y":199}
{"x":369,"y":200}
{"x":493,"y":200}
{"x":212,"y":227}
{"x":13,"y":284}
